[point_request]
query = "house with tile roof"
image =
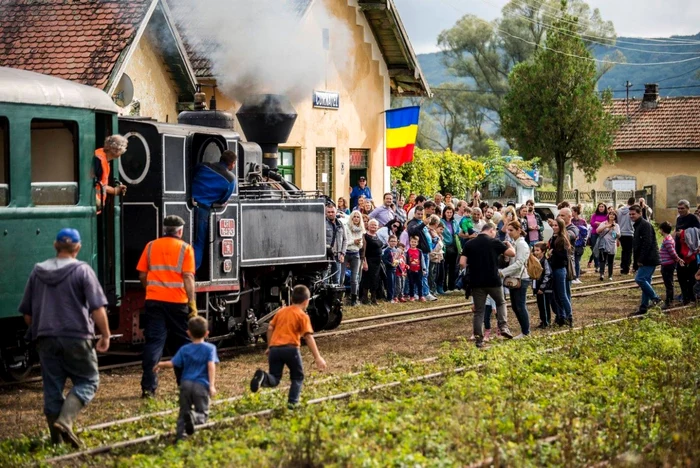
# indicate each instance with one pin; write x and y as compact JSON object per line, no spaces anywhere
{"x":339,"y":134}
{"x":657,"y":145}
{"x":113,"y":45}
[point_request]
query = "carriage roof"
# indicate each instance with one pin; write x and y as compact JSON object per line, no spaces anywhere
{"x":25,"y":87}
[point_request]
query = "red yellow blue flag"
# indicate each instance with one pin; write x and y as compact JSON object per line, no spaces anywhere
{"x":401,"y":133}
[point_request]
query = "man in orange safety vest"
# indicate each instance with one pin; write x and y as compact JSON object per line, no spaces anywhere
{"x":166,"y":270}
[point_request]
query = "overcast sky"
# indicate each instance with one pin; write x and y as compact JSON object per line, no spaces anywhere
{"x":425,"y":19}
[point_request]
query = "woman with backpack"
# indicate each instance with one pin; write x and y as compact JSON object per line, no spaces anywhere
{"x":516,"y":278}
{"x":580,"y":244}
{"x":608,"y":234}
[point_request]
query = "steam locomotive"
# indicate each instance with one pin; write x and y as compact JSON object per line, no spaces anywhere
{"x":267,"y":238}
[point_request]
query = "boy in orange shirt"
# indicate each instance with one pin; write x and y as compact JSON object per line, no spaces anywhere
{"x":283,"y":340}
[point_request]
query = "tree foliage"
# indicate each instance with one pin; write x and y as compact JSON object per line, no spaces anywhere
{"x":432,"y":172}
{"x":553,"y":111}
{"x":495,"y":163}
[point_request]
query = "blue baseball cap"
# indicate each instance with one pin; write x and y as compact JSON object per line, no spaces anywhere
{"x":68,"y":236}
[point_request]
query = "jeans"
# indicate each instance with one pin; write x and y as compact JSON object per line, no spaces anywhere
{"x":163,"y":321}
{"x":289,"y":356}
{"x":626,"y":243}
{"x":67,"y":358}
{"x":389,"y":283}
{"x":479,"y":295}
{"x":415,"y":279}
{"x":426,"y":262}
{"x":337,"y":272}
{"x":355,"y":262}
{"x":577,"y":263}
{"x":606,"y":259}
{"x":433,"y":273}
{"x":686,"y":280}
{"x":643,"y":279}
{"x":594,"y":259}
{"x":201,"y":216}
{"x":518,"y":301}
{"x":562,"y":294}
{"x":544,"y":305}
{"x":667,"y":275}
{"x":192,"y":394}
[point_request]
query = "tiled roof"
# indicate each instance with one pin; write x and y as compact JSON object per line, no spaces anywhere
{"x":78,"y":40}
{"x":674,"y":124}
{"x":521,"y":176}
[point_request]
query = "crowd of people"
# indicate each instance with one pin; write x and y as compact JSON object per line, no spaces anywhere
{"x":417,"y":249}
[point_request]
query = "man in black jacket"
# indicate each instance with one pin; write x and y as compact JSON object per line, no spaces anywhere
{"x":646,"y":258}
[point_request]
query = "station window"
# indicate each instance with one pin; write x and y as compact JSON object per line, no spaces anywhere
{"x":54,"y":162}
{"x":324,"y":171}
{"x":285,"y":164}
{"x":4,"y":161}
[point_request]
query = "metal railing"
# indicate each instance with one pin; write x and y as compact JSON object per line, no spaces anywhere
{"x":593,"y":197}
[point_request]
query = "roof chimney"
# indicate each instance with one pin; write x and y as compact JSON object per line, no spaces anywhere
{"x":651,"y":96}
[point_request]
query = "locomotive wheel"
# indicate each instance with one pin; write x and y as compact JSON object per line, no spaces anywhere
{"x":319,"y":315}
{"x":15,"y":368}
{"x":335,"y":316}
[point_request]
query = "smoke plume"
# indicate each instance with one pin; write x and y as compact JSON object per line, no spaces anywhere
{"x":264,"y":46}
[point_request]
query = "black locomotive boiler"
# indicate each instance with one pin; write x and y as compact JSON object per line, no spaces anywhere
{"x":269,"y":237}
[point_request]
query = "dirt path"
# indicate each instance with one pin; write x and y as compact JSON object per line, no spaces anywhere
{"x":119,"y":392}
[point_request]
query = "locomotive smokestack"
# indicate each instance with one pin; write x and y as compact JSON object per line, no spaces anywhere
{"x":267,"y":120}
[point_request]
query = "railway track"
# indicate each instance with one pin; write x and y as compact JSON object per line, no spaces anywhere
{"x":106,"y":448}
{"x":585,"y":291}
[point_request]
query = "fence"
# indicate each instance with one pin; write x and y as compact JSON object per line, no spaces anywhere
{"x":593,"y":197}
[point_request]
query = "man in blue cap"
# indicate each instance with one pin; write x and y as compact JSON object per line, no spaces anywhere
{"x":63,"y":302}
{"x":213,"y":183}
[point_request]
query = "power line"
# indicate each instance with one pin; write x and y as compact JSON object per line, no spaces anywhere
{"x":582,"y":35}
{"x":678,"y":76}
{"x":590,"y":59}
{"x":667,"y":42}
{"x":482,"y":91}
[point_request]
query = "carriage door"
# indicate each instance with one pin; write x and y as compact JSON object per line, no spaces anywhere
{"x":108,"y":223}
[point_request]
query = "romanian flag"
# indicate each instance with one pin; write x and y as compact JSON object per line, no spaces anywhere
{"x":401,"y":133}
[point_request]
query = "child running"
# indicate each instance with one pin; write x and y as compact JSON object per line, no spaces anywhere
{"x":197,"y":362}
{"x":283,"y":340}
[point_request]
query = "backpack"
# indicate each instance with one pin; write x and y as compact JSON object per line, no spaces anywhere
{"x":582,"y":236}
{"x":534,"y":268}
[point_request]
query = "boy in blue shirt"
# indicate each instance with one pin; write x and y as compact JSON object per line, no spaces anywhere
{"x":197,"y":361}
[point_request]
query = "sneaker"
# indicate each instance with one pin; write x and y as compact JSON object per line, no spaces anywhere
{"x":656,"y":301}
{"x":412,"y":299}
{"x":519,"y":337}
{"x":148,"y":394}
{"x":638,"y":312}
{"x":189,"y":423}
{"x":257,"y":380}
{"x":441,"y":291}
{"x":576,"y":281}
{"x":394,"y":301}
{"x":480,"y":344}
{"x":292,"y":406}
{"x":402,"y":299}
{"x":505,"y":332}
{"x":422,"y":299}
{"x":610,"y":278}
{"x":431,"y":298}
{"x":602,"y":278}
{"x":487,"y":334}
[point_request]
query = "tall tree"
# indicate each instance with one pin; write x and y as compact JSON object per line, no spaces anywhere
{"x":553,"y":110}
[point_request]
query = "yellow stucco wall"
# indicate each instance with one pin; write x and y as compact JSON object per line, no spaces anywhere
{"x":358,"y":124}
{"x":649,"y":168}
{"x":153,"y":87}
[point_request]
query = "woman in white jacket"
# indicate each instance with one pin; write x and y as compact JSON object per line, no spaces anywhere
{"x":518,"y":269}
{"x":354,"y":233}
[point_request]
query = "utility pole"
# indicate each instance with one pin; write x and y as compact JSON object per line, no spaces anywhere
{"x":628,"y":85}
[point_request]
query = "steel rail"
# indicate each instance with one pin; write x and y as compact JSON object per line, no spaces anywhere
{"x":339,"y":396}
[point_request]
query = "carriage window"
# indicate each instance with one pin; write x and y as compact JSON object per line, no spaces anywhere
{"x":54,"y":162}
{"x":4,"y":161}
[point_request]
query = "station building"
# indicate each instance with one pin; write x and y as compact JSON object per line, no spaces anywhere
{"x":135,"y":51}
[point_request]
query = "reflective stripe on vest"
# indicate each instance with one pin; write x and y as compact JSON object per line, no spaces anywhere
{"x":177,"y":268}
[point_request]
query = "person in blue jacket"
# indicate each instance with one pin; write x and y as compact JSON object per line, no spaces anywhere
{"x":358,"y":191}
{"x":213,"y":184}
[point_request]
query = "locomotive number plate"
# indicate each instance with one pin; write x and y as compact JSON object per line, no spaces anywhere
{"x":227,"y":248}
{"x":228,"y":266}
{"x":227,"y":227}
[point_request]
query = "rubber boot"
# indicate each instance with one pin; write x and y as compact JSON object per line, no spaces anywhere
{"x":53,"y":432}
{"x":64,"y":423}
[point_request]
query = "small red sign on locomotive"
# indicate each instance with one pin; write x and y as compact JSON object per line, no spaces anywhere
{"x":228,"y":266}
{"x":227,"y":227}
{"x":227,"y":248}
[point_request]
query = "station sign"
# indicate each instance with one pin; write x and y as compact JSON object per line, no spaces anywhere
{"x":326,"y":100}
{"x":227,"y":227}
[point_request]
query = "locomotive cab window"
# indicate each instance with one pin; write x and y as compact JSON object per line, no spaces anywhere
{"x":211,"y":151}
{"x":54,"y":162}
{"x":4,"y":161}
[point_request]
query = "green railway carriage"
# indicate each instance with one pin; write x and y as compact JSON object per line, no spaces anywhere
{"x":49,"y":130}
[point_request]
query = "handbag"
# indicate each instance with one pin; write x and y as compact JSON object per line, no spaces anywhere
{"x":570,"y":270}
{"x":513,"y":282}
